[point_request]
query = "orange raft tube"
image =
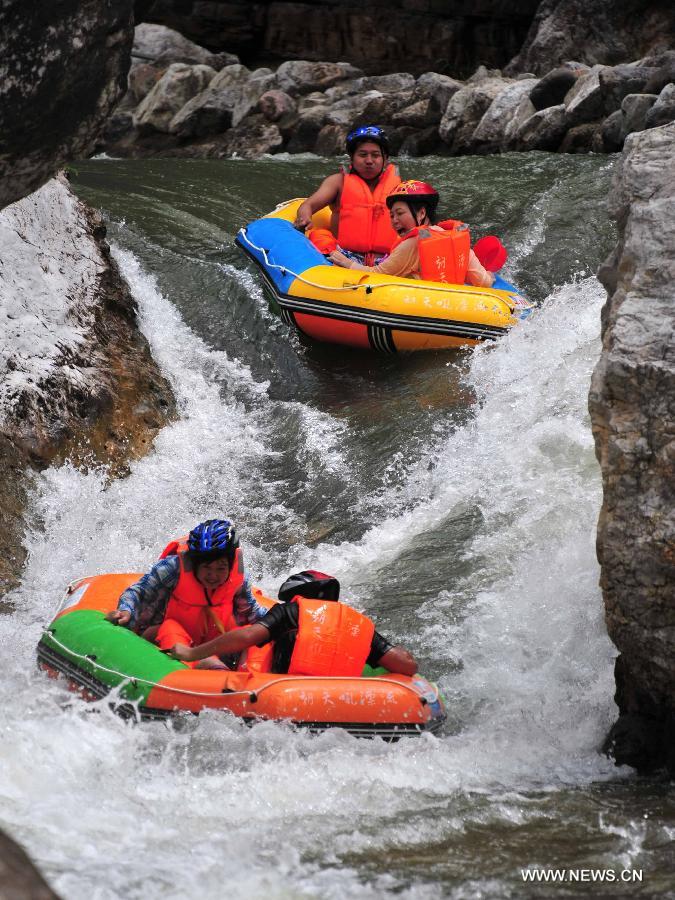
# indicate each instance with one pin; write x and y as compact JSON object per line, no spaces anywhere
{"x":98,"y":657}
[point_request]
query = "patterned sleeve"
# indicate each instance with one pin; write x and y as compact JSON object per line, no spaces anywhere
{"x":147,"y":599}
{"x":246,"y":610}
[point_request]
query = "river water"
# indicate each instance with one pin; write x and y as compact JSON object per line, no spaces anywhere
{"x":454,"y":494}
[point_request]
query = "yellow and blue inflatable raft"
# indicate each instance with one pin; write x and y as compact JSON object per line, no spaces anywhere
{"x":359,"y":309}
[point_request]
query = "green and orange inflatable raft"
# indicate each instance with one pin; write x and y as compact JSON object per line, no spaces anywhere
{"x":98,"y":658}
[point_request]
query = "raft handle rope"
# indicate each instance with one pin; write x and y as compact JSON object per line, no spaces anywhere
{"x":369,"y":288}
{"x":252,"y":695}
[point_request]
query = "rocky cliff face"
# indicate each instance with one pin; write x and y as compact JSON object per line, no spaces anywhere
{"x":602,"y":32}
{"x":76,"y":376}
{"x":63,"y":68}
{"x":378,"y":36}
{"x":381,"y":36}
{"x":632,"y":404}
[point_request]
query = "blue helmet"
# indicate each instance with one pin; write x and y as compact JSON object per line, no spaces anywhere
{"x":367,"y":133}
{"x":214,"y":538}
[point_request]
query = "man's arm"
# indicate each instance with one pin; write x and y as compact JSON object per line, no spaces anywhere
{"x":398,"y":661}
{"x":326,"y":195}
{"x":231,"y":642}
{"x":148,"y":597}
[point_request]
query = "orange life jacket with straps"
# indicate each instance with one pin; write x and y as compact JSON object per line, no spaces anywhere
{"x":444,"y":255}
{"x":203,"y":615}
{"x":364,"y":224}
{"x":332,"y":639}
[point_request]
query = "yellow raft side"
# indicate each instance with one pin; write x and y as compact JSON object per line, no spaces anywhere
{"x":404,"y":296}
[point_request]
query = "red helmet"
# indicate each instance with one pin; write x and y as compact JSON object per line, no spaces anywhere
{"x":414,"y":190}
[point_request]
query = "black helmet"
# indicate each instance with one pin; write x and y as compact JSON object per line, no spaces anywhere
{"x":213,"y":539}
{"x":367,"y":133}
{"x":310,"y":584}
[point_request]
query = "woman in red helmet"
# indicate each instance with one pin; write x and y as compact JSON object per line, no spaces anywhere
{"x":424,"y":250}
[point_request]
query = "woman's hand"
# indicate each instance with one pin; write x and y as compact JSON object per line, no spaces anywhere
{"x":340,"y":259}
{"x":119,"y":616}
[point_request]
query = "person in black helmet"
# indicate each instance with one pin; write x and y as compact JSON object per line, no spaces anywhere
{"x":284,"y":625}
{"x":357,"y":198}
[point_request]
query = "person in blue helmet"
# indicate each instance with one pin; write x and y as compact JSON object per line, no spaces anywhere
{"x":357,"y":197}
{"x":197,"y":591}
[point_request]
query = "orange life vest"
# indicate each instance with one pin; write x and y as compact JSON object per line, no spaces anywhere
{"x":332,"y":639}
{"x":364,"y":224}
{"x":444,"y":256}
{"x":203,"y":616}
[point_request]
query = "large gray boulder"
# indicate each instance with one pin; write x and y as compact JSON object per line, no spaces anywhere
{"x":438,"y":87}
{"x":585,"y":102}
{"x":616,"y":82}
{"x":174,"y":89}
{"x":606,"y":32}
{"x":63,"y":69}
{"x":632,"y":405}
{"x":465,"y":110}
{"x":544,"y":130}
{"x":162,"y":46}
{"x":229,"y":98}
{"x":553,"y":87}
{"x":635,"y":108}
{"x":663,"y":110}
{"x":490,"y":133}
{"x":304,"y":136}
{"x":346,"y":112}
{"x":302,"y":77}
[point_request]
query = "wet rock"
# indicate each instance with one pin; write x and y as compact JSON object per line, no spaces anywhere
{"x":349,"y":111}
{"x":631,"y":403}
{"x":230,"y":96}
{"x":418,"y":115}
{"x":613,"y":132}
{"x":663,"y":65}
{"x":141,"y":80}
{"x":174,"y":89}
{"x":162,"y":46}
{"x":65,"y":66}
{"x":586,"y":138}
{"x":585,"y":101}
{"x":634,"y":108}
{"x":19,"y":878}
{"x":440,"y":88}
{"x":465,"y":110}
{"x":663,"y":110}
{"x":252,"y":139}
{"x":306,"y":132}
{"x":490,"y":133}
{"x":274,"y":105}
{"x":331,"y":140}
{"x":619,"y":81}
{"x":395,"y":83}
{"x":81,"y":383}
{"x":422,"y":143}
{"x":302,"y":77}
{"x":552,"y":88}
{"x":383,"y":108}
{"x":309,"y":101}
{"x":544,"y":130}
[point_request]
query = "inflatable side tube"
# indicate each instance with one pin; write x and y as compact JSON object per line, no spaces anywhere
{"x":280,"y":249}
